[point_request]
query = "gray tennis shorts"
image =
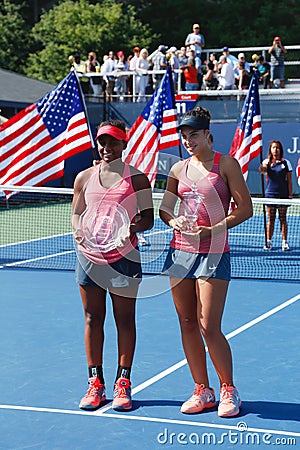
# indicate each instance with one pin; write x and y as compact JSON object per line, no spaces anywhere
{"x":181,"y":264}
{"x":123,"y":273}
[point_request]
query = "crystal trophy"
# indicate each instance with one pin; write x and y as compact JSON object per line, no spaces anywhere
{"x":191,"y":204}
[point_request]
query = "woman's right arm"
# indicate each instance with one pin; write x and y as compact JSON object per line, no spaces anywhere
{"x":167,"y":207}
{"x":78,"y":203}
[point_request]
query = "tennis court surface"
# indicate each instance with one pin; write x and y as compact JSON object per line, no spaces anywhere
{"x":43,"y":371}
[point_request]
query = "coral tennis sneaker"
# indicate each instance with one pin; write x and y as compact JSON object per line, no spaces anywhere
{"x":122,"y":395}
{"x":95,"y":395}
{"x":203,"y":397}
{"x":230,"y":401}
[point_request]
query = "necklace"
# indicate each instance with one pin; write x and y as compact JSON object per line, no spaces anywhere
{"x":208,"y":160}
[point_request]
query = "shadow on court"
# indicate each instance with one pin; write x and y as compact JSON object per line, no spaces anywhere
{"x":163,"y":403}
{"x":272,"y":410}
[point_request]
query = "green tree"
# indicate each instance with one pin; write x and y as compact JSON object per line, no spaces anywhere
{"x":81,"y":27}
{"x":223,"y":22}
{"x":15,"y":37}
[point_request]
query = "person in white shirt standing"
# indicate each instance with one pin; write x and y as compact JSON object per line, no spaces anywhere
{"x":226,"y":75}
{"x":174,"y":63}
{"x":142,"y":67}
{"x":132,"y":68}
{"x":108,"y":67}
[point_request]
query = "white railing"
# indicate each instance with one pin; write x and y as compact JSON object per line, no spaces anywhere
{"x":292,"y":85}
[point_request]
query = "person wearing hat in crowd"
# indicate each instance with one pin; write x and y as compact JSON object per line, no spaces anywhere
{"x":132,"y":68}
{"x":242,"y":72}
{"x":195,"y":40}
{"x":226,"y":76}
{"x":122,"y":81}
{"x":277,"y":52}
{"x":230,"y":58}
{"x":241,"y":58}
{"x":198,"y":261}
{"x":158,"y":61}
{"x":106,"y":190}
{"x":174,"y":64}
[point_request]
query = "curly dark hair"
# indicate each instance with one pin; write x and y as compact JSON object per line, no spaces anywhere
{"x":199,"y":112}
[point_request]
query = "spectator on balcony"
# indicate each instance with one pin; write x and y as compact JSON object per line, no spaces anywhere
{"x":198,"y":65}
{"x":122,"y":81}
{"x":183,"y":60}
{"x":93,"y":66}
{"x":174,"y":63}
{"x":108,"y":67}
{"x":158,"y":61}
{"x":195,"y":40}
{"x":277,"y":52}
{"x":241,"y":58}
{"x":226,"y":75}
{"x":77,"y":64}
{"x":142,"y":67}
{"x":213,"y":59}
{"x":132,"y":67}
{"x":230,"y":58}
{"x":92,"y":63}
{"x":263,"y":70}
{"x":210,"y":78}
{"x":242,"y":80}
{"x":191,"y":75}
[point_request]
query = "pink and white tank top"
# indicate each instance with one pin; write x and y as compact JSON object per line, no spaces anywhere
{"x":214,"y":208}
{"x":107,"y":201}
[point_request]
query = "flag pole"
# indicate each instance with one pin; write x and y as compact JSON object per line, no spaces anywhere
{"x":263,"y":195}
{"x":95,"y":155}
{"x":174,"y":105}
{"x":180,"y":151}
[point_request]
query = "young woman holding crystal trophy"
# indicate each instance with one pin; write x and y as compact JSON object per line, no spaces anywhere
{"x":198,"y":262}
{"x":106,"y":200}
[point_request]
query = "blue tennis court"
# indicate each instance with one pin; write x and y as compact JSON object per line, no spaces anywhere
{"x":44,"y":375}
{"x":43,"y":371}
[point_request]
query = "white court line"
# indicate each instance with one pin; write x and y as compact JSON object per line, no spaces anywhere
{"x":35,"y":240}
{"x":25,"y":261}
{"x":102,"y":411}
{"x":181,"y":363}
{"x":152,"y":419}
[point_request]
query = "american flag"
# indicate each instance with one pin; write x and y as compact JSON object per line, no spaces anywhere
{"x":247,"y":141}
{"x":298,"y":171}
{"x":154,"y":130}
{"x":35,"y":142}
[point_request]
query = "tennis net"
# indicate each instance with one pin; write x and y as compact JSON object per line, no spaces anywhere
{"x":36,"y":233}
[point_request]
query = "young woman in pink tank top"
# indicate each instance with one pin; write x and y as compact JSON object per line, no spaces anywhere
{"x":198,"y":261}
{"x":112,"y":202}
